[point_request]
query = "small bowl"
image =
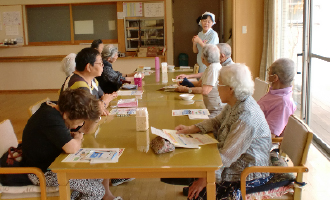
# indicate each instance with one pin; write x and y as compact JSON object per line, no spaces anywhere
{"x":186,"y":97}
{"x":170,"y":67}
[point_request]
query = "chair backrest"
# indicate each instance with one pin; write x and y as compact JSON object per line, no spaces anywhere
{"x":8,"y":136}
{"x":260,"y":88}
{"x":297,"y":137}
{"x":196,"y":68}
{"x":36,"y":106}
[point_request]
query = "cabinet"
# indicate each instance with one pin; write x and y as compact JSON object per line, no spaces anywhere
{"x":144,"y":32}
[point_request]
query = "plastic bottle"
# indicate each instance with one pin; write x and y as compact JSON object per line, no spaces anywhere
{"x":138,"y":79}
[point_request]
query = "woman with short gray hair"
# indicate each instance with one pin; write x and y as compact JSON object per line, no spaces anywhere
{"x":278,"y":103}
{"x":243,"y":134}
{"x":207,"y":85}
{"x":69,"y":64}
{"x":110,"y":80}
{"x":210,"y":54}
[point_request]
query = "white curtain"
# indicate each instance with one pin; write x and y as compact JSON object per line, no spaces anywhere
{"x":268,"y":52}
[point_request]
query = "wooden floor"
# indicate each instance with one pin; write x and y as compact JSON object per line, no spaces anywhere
{"x":14,"y":106}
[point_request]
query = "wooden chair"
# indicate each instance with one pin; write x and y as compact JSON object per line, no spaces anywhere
{"x":8,"y":139}
{"x":196,"y":68}
{"x":297,"y":137}
{"x":260,"y":88}
{"x":36,"y":106}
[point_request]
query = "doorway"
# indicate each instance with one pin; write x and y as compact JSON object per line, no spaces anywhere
{"x":185,"y":13}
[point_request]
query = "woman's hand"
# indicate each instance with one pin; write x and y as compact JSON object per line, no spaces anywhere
{"x":182,"y":129}
{"x":104,"y":111}
{"x":77,"y":135}
{"x":196,"y":40}
{"x":113,"y":95}
{"x":181,"y":89}
{"x":196,"y":188}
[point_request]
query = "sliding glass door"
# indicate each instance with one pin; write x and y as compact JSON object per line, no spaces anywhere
{"x":302,"y":30}
{"x":318,"y":69}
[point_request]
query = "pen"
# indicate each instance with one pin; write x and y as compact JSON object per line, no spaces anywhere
{"x":182,"y":140}
{"x":114,"y":155}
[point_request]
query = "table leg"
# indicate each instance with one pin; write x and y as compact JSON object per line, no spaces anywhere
{"x":64,"y":186}
{"x":210,"y":187}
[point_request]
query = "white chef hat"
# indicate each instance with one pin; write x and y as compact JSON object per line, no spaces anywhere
{"x":205,"y":15}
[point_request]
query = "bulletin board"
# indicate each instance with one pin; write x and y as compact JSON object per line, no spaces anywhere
{"x":11,"y":23}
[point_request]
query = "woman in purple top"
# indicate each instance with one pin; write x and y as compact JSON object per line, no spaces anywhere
{"x":278,"y":103}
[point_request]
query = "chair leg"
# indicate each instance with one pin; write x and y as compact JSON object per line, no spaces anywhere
{"x":298,"y":191}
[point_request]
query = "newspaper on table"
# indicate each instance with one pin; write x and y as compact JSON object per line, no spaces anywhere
{"x":95,"y":155}
{"x":198,"y":116}
{"x":184,"y":140}
{"x":123,"y":111}
{"x":129,"y":92}
{"x":190,"y":112}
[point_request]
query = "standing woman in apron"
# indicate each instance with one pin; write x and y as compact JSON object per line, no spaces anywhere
{"x":206,"y":36}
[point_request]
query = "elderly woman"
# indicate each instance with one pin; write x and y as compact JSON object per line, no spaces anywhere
{"x":242,"y":131}
{"x":111,"y":80}
{"x":206,"y":36}
{"x":69,"y":64}
{"x":207,"y":85}
{"x":278,"y":104}
{"x":47,"y":134}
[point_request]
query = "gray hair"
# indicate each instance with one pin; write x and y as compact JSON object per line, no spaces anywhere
{"x":109,"y":51}
{"x":238,"y":77}
{"x":284,"y":68}
{"x":211,"y":53}
{"x":69,"y":64}
{"x":225,"y":49}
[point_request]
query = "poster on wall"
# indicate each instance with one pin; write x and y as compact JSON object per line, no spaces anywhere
{"x":12,"y":30}
{"x":84,"y":27}
{"x":12,"y":18}
{"x":133,"y":9}
{"x":154,"y":9}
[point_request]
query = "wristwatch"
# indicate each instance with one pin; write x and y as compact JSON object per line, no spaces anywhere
{"x":189,"y":90}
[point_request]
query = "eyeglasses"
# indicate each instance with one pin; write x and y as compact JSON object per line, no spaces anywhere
{"x":100,"y":63}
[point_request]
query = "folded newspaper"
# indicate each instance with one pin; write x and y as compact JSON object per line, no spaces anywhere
{"x":93,"y":155}
{"x":184,"y":140}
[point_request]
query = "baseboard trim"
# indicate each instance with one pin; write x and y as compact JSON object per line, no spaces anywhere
{"x":29,"y":91}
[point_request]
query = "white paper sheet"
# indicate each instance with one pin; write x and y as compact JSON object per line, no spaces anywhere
{"x":153,"y":9}
{"x":184,"y":140}
{"x":174,"y":138}
{"x":83,"y":27}
{"x":129,"y":92}
{"x":12,"y":18}
{"x":12,"y":30}
{"x":198,"y":116}
{"x":112,"y":25}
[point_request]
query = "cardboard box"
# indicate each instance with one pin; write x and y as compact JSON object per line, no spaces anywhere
{"x":142,"y":54}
